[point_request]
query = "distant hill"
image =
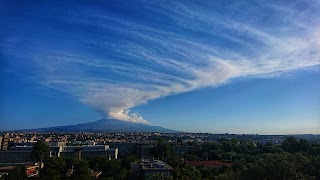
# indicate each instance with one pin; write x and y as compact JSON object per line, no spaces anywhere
{"x":105,"y":125}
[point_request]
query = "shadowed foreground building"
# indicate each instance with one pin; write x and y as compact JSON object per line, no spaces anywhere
{"x":4,"y":139}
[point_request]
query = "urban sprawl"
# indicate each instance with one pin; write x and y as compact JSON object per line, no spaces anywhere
{"x":142,"y":155}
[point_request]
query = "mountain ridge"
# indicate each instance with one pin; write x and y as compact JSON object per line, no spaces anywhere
{"x":105,"y":125}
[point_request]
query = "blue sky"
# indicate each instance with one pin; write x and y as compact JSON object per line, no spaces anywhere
{"x":200,"y":66}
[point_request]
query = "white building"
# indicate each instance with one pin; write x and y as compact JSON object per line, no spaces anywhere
{"x":23,"y":154}
{"x":85,"y":151}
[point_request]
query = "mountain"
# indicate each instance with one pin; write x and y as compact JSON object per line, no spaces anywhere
{"x":106,"y":125}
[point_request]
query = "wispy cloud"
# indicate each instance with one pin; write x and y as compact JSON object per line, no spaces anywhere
{"x":125,"y":61}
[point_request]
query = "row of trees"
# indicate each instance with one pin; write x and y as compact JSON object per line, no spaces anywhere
{"x":60,"y":168}
{"x":293,"y":159}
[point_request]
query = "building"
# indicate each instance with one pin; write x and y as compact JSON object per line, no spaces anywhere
{"x":1,"y":142}
{"x":125,"y":149}
{"x":23,"y":154}
{"x":17,"y":154}
{"x":4,"y":142}
{"x":85,"y":151}
{"x":57,"y":143}
{"x":149,"y":167}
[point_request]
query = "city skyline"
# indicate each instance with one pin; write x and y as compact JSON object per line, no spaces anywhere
{"x":196,"y":66}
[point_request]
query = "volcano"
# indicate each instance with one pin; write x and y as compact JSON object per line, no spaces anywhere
{"x":106,"y":125}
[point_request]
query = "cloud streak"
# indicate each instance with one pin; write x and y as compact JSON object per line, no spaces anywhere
{"x":113,"y":62}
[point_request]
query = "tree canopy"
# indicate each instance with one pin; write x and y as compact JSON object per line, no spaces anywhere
{"x":40,"y":151}
{"x":18,"y":173}
{"x":54,"y":169}
{"x":81,"y":170}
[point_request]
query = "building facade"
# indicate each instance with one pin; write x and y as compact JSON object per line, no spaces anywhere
{"x":4,"y":142}
{"x":85,"y":151}
{"x":23,"y":154}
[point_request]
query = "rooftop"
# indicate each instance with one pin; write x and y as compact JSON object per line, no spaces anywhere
{"x":155,"y":165}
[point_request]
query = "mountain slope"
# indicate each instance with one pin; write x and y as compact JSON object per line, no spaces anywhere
{"x":106,"y":125}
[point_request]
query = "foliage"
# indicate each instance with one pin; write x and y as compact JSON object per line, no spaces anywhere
{"x":159,"y":176}
{"x":54,"y":169}
{"x":228,"y":175}
{"x":112,"y":168}
{"x":187,"y":172}
{"x":18,"y":173}
{"x":293,"y":159}
{"x":161,"y":150}
{"x":97,"y":163}
{"x":128,"y":160}
{"x":279,"y":166}
{"x":81,"y":170}
{"x":40,"y":151}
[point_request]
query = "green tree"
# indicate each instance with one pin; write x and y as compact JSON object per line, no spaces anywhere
{"x":279,"y":166}
{"x":290,"y":144}
{"x":54,"y":169}
{"x":228,"y":175}
{"x":161,"y":150}
{"x":97,"y":163}
{"x":112,"y":168}
{"x":128,"y":160}
{"x":159,"y":176}
{"x":18,"y":173}
{"x":174,"y":160}
{"x":40,"y":151}
{"x":187,"y":172}
{"x":81,"y":170}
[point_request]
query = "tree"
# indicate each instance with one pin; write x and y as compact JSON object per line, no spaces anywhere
{"x":228,"y":175}
{"x":174,"y":160}
{"x":187,"y":172}
{"x":159,"y":176}
{"x":279,"y":166}
{"x":112,"y":168}
{"x":97,"y":163}
{"x":40,"y":151}
{"x":161,"y":150}
{"x":54,"y":169}
{"x":81,"y":170}
{"x":128,"y":160}
{"x":290,"y":144}
{"x":18,"y":173}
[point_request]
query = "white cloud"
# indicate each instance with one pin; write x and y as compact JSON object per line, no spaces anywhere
{"x":144,"y":63}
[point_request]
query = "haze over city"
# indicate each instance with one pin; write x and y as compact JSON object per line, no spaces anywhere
{"x":194,"y":66}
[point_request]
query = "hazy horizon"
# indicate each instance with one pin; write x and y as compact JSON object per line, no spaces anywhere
{"x":196,"y":66}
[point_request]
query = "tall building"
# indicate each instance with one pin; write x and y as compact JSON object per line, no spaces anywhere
{"x":1,"y":142}
{"x":4,"y":142}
